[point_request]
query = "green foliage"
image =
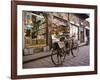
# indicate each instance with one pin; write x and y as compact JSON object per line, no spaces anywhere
{"x":27,"y":33}
{"x":36,"y":24}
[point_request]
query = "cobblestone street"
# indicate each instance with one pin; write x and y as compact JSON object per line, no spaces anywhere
{"x":81,"y":59}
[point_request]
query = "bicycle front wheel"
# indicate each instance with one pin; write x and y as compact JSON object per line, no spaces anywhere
{"x":56,"y":57}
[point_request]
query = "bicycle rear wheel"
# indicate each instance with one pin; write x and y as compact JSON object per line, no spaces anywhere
{"x":76,"y":50}
{"x":56,"y":57}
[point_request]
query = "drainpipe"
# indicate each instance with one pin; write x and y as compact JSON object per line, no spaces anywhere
{"x":79,"y":29}
{"x":69,"y":23}
{"x":47,"y":30}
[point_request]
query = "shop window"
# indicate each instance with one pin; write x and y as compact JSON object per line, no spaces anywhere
{"x":34,"y":30}
{"x":74,"y":31}
{"x":81,"y":34}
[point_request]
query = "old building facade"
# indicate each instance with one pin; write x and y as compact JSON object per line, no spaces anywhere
{"x":40,"y":28}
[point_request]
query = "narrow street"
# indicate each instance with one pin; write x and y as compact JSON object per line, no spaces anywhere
{"x":81,"y":59}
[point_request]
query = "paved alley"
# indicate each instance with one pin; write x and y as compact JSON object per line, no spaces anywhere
{"x":81,"y":59}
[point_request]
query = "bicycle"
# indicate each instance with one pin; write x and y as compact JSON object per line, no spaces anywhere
{"x":75,"y":46}
{"x":58,"y":55}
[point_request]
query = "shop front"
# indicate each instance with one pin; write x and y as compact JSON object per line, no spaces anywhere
{"x":34,"y":32}
{"x":60,"y":28}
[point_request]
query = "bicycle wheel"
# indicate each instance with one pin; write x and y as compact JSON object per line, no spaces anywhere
{"x":67,"y":52}
{"x":76,"y":50}
{"x":56,"y":57}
